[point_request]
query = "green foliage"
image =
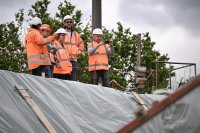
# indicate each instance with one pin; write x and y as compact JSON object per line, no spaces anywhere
{"x":83,"y":74}
{"x":11,"y":52}
{"x":123,"y":61}
{"x":67,"y":8}
{"x":149,"y":57}
{"x":19,"y":17}
{"x":125,"y":44}
{"x":40,"y":9}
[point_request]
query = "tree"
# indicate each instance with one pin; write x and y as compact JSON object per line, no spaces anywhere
{"x":149,"y":58}
{"x":125,"y":44}
{"x":122,"y":63}
{"x":12,"y":56}
{"x":40,"y":9}
{"x":124,"y":60}
{"x":67,"y":8}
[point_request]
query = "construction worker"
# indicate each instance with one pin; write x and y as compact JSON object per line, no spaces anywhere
{"x":74,"y":44}
{"x":98,"y":52}
{"x":63,"y":68}
{"x":37,"y":54}
{"x":45,"y":31}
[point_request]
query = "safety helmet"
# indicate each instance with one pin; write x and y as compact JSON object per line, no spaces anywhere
{"x":45,"y":27}
{"x":97,"y":31}
{"x":67,"y":17}
{"x":61,"y":31}
{"x":35,"y":21}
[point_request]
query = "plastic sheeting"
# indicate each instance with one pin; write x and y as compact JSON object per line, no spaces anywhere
{"x":71,"y":107}
{"x":183,"y":116}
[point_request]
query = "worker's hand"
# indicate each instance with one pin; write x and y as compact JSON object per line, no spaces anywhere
{"x":51,"y":51}
{"x":101,"y":43}
{"x":58,"y":65}
{"x":110,"y":43}
{"x":51,"y":38}
{"x":53,"y":46}
{"x":55,"y":35}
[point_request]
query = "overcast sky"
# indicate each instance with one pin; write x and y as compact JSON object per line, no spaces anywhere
{"x":173,"y":24}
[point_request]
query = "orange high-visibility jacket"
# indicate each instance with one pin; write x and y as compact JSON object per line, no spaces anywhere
{"x":37,"y":53}
{"x":63,"y":59}
{"x":74,"y":45}
{"x":98,"y":60}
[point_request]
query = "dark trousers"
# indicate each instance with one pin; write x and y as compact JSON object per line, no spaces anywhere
{"x":61,"y":76}
{"x":42,"y":69}
{"x":51,"y":70}
{"x":73,"y":75}
{"x":103,"y":74}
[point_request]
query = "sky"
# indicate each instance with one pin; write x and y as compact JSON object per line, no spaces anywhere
{"x":173,"y":24}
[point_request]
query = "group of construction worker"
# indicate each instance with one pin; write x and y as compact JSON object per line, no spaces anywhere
{"x":55,"y":56}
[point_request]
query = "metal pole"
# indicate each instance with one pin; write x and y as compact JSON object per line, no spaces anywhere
{"x":156,"y":75}
{"x":139,"y":50}
{"x":182,"y":63}
{"x":96,"y":14}
{"x":170,"y":84}
{"x":172,"y":69}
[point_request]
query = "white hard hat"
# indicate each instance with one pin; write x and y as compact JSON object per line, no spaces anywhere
{"x":97,"y":31}
{"x":61,"y":31}
{"x":35,"y":21}
{"x":67,"y":17}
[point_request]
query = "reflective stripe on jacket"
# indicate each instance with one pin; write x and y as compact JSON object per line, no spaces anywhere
{"x":98,"y":60}
{"x":37,"y":53}
{"x":65,"y":66}
{"x":74,"y":45}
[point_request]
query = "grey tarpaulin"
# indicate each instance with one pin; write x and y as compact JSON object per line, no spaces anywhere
{"x":71,"y":107}
{"x":183,"y":116}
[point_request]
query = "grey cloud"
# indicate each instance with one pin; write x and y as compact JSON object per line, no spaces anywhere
{"x":185,"y":13}
{"x":8,"y":8}
{"x":162,"y":13}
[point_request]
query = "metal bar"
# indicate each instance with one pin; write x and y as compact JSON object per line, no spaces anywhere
{"x":195,"y":70}
{"x":180,"y":67}
{"x":156,"y":75}
{"x":181,"y":63}
{"x":175,"y":62}
{"x":139,"y":50}
{"x":170,"y":80}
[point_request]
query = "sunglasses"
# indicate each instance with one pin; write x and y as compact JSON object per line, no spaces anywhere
{"x":68,"y":21}
{"x":99,"y":36}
